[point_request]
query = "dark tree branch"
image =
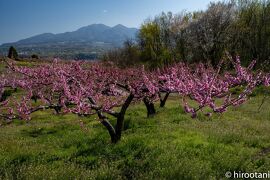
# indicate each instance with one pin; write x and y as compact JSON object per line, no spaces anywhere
{"x":120,"y":118}
{"x":163,"y":100}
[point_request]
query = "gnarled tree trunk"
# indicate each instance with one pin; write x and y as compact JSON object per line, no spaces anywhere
{"x":116,"y":132}
{"x":150,"y":107}
{"x":163,"y":100}
{"x":120,"y":118}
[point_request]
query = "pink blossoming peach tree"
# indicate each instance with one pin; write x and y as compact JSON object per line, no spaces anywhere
{"x":94,"y":89}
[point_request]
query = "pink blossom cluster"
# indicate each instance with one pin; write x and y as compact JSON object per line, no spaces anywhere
{"x":88,"y":88}
{"x":266,"y":80}
{"x":205,"y":85}
{"x":77,"y":87}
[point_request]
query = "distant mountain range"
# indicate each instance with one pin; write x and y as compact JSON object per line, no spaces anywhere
{"x":92,"y":39}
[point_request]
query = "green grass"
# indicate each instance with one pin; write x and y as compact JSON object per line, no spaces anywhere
{"x":170,"y":145}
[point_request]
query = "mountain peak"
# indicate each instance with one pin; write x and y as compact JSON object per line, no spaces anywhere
{"x":119,"y":26}
{"x":91,"y":34}
{"x":94,"y":26}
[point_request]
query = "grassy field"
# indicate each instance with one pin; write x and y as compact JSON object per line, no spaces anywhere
{"x":170,"y":145}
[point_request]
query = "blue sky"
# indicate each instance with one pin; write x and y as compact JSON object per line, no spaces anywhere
{"x":24,"y":18}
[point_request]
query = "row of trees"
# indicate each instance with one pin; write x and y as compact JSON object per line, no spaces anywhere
{"x":240,"y":27}
{"x":88,"y":89}
{"x":13,"y":54}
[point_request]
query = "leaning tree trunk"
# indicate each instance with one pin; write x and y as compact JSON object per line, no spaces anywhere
{"x":104,"y":121}
{"x":163,"y":100}
{"x":116,"y":132}
{"x":150,"y":107}
{"x":120,"y":118}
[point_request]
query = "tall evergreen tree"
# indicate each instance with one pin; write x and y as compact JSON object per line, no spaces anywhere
{"x":12,"y":53}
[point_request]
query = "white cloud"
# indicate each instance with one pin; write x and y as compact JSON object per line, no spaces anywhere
{"x":105,"y":11}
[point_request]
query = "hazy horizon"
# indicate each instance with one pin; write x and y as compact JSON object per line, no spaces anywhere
{"x":21,"y":19}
